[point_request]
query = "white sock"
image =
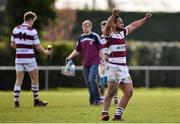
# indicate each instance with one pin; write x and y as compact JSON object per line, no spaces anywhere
{"x":35,"y":90}
{"x":17,"y":90}
{"x":102,"y":98}
{"x":119,"y":111}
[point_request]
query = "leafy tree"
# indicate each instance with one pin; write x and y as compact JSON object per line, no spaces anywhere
{"x":15,"y":10}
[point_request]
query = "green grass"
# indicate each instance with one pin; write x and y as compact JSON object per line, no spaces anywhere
{"x":71,"y":106}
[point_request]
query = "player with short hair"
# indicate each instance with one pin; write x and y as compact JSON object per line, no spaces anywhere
{"x":23,"y":38}
{"x":104,"y":53}
{"x":117,"y":70}
{"x":88,"y":45}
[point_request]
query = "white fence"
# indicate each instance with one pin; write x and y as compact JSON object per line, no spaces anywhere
{"x":147,"y":69}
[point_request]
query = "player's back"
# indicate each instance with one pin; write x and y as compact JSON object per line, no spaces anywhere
{"x":24,"y":38}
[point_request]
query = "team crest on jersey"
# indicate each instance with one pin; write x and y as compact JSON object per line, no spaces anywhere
{"x":91,"y":42}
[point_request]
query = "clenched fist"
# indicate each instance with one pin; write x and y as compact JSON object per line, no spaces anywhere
{"x":115,"y":12}
{"x":148,"y":16}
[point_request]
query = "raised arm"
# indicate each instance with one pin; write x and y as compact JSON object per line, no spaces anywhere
{"x":110,"y":22}
{"x":136,"y":24}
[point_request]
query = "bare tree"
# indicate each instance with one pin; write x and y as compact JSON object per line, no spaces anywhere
{"x":94,"y":4}
{"x":111,"y":4}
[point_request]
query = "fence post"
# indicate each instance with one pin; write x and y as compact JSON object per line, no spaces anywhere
{"x":147,"y":78}
{"x":46,"y":79}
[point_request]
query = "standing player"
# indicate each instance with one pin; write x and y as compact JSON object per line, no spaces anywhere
{"x":117,"y":70}
{"x":23,"y":38}
{"x":88,"y":45}
{"x":104,"y":53}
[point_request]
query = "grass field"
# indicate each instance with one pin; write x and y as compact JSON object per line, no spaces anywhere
{"x":71,"y":106}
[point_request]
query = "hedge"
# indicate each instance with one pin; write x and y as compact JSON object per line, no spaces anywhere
{"x":139,"y":53}
{"x":161,"y":27}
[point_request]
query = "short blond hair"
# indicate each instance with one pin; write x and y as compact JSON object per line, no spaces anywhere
{"x":87,"y":22}
{"x":30,"y":16}
{"x":103,"y":23}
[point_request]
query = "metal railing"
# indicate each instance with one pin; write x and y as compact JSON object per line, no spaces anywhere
{"x":147,"y":70}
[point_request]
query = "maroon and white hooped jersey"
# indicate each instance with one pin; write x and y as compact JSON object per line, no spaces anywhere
{"x":24,"y":38}
{"x":117,"y":48}
{"x":103,"y":45}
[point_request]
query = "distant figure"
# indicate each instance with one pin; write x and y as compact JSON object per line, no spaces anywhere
{"x":104,"y":53}
{"x":117,"y":70}
{"x":88,"y":45}
{"x":23,"y":38}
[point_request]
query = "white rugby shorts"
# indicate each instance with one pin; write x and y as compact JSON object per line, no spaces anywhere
{"x":26,"y":66}
{"x":118,"y":73}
